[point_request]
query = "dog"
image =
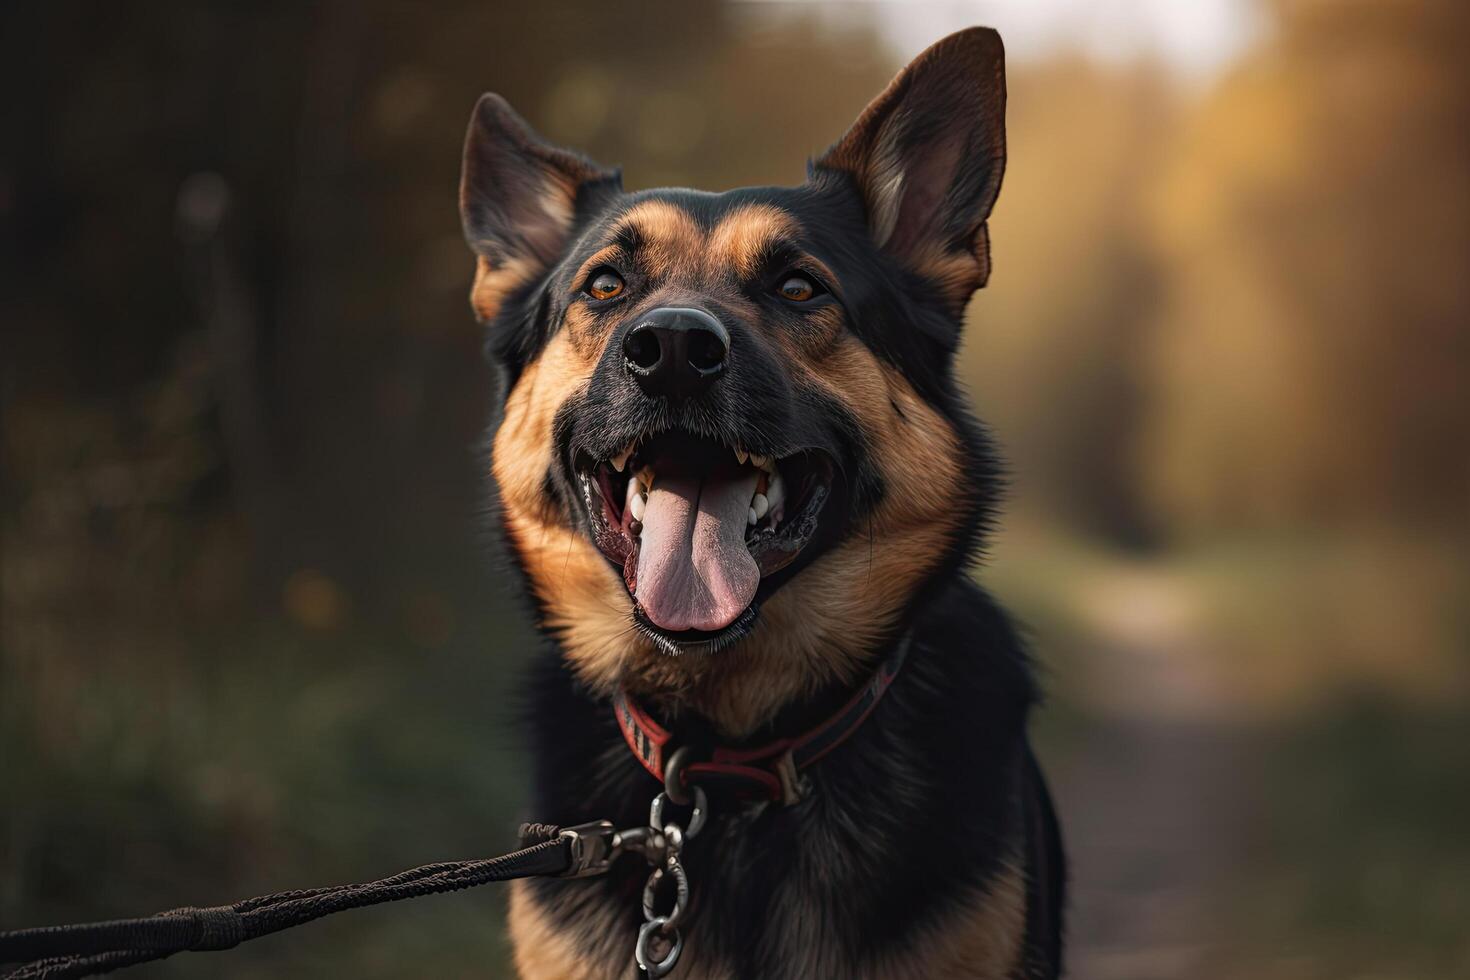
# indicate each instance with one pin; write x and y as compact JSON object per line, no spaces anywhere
{"x":742,"y":490}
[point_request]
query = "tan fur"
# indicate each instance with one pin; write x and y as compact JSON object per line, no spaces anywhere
{"x":822,"y":626}
{"x":981,"y":940}
{"x":816,"y":630}
{"x":957,"y":273}
{"x":542,"y":950}
{"x":558,"y":199}
{"x":494,"y":283}
{"x":672,"y":241}
{"x":741,"y":238}
{"x":583,"y":597}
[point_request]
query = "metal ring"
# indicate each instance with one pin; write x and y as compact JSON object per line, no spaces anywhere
{"x":674,"y":775}
{"x":681,"y":894}
{"x":656,"y":968}
{"x":696,"y":818}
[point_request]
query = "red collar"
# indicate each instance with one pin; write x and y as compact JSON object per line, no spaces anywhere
{"x":769,"y":771}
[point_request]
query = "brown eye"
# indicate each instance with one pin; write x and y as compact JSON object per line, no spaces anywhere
{"x":798,"y":289}
{"x":605,"y":285}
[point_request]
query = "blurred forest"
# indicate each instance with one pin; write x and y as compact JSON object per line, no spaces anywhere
{"x":254,"y":636}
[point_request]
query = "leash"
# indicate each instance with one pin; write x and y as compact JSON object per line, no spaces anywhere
{"x":771,"y":772}
{"x":89,"y":949}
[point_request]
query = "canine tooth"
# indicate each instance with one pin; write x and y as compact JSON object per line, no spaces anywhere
{"x":750,"y":516}
{"x":637,"y":504}
{"x":741,"y":456}
{"x":776,"y":493}
{"x":634,"y":492}
{"x":759,"y":461}
{"x":759,"y":506}
{"x":621,"y":459}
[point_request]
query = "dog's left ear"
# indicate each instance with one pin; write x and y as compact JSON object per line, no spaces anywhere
{"x":927,"y":156}
{"x":519,"y":200}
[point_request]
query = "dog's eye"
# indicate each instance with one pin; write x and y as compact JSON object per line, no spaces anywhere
{"x":798,"y":289}
{"x":605,"y":285}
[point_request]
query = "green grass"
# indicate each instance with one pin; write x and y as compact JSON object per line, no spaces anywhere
{"x":288,"y":759}
{"x":1360,"y":865}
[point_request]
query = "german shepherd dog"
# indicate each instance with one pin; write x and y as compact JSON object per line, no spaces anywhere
{"x":737,"y":475}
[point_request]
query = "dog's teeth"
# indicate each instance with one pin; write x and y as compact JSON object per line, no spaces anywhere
{"x":759,"y":461}
{"x":635,"y":492}
{"x":637,"y":504}
{"x":776,"y":492}
{"x":750,"y":515}
{"x":645,"y":476}
{"x":741,"y":456}
{"x":759,"y":506}
{"x":621,"y":459}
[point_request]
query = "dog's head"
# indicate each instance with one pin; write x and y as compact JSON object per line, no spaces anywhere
{"x":730,"y":440}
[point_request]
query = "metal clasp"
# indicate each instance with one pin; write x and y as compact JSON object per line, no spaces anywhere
{"x":659,"y":941}
{"x":594,"y":845}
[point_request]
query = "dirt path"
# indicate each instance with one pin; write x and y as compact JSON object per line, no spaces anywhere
{"x":1147,"y":810}
{"x":1150,"y":802}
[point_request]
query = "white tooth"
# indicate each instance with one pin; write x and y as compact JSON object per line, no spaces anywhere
{"x":621,"y":459}
{"x":634,"y":491}
{"x":750,"y":515}
{"x":759,"y":506}
{"x":776,"y":492}
{"x":637,"y":504}
{"x":759,"y":461}
{"x":741,"y":456}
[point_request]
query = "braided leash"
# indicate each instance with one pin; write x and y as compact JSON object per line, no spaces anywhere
{"x":55,"y":952}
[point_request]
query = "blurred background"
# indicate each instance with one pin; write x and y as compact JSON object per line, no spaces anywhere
{"x":253,"y":635}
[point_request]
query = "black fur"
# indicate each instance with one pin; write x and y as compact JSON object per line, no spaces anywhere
{"x":921,"y":805}
{"x":937,"y":793}
{"x":937,"y":788}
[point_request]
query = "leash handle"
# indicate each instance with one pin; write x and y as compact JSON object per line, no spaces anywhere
{"x":55,"y":952}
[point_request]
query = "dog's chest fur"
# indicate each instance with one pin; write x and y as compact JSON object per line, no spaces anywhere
{"x":909,"y":856}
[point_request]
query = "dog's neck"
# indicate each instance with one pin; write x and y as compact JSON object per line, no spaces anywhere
{"x":719,"y":701}
{"x":947,"y":738}
{"x":810,"y":725}
{"x":773,"y":683}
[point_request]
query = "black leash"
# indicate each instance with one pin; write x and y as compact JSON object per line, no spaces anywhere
{"x":55,"y":952}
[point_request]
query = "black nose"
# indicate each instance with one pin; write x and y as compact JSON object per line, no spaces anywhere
{"x":676,"y":352}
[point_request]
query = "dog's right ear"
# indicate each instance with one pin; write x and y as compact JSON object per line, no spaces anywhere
{"x":519,"y":198}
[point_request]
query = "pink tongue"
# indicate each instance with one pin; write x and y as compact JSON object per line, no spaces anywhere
{"x":694,"y":570}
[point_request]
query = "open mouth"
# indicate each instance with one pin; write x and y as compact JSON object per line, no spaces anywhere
{"x":698,"y":528}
